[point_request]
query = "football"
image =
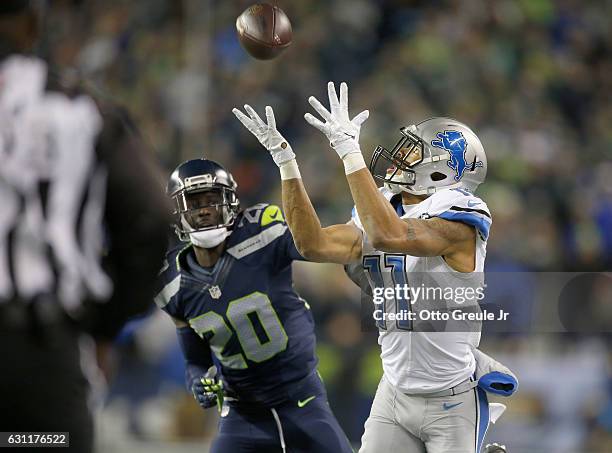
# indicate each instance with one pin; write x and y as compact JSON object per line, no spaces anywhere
{"x":264,"y":31}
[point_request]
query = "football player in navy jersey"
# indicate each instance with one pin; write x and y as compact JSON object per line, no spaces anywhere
{"x":247,"y":337}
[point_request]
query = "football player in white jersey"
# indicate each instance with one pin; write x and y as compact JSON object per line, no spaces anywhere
{"x":425,"y":219}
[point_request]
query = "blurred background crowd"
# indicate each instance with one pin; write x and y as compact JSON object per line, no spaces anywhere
{"x":533,"y":78}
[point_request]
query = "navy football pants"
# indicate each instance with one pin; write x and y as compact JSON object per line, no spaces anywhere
{"x":311,"y":428}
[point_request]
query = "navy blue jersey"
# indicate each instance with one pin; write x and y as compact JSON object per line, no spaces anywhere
{"x":261,"y":333}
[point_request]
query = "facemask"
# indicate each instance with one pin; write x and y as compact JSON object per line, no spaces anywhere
{"x":209,"y":238}
{"x":393,"y":188}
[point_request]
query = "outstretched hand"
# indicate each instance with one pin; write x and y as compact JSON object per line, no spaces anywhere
{"x":340,"y":130}
{"x":266,"y":133}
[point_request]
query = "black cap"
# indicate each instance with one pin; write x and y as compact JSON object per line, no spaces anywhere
{"x":8,"y":7}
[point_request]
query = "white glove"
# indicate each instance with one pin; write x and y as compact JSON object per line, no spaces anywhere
{"x":342,"y":133}
{"x":267,"y":134}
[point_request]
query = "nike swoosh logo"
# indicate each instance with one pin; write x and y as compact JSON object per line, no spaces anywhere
{"x":471,"y":204}
{"x":303,"y":403}
{"x":275,"y":216}
{"x":447,"y":406}
{"x":349,"y":135}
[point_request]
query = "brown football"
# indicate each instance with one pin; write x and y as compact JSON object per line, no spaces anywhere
{"x":264,"y":31}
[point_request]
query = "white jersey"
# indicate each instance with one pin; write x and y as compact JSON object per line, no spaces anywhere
{"x":422,"y":361}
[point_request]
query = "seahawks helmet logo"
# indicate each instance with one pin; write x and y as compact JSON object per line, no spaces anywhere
{"x":455,"y":143}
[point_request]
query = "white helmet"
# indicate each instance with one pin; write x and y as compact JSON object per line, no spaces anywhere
{"x":438,"y":153}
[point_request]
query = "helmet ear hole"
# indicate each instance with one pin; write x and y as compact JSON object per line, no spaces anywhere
{"x":437,"y":176}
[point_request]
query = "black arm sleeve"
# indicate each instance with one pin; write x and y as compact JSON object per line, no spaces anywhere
{"x":136,"y":217}
{"x":197,"y":354}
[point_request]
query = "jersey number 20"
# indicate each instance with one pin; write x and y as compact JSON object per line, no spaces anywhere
{"x":245,"y":315}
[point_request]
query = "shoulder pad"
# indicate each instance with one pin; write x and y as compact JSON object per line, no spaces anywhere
{"x":444,"y":200}
{"x":259,"y":216}
{"x":271,"y":214}
{"x":170,"y":266}
{"x":256,"y":227}
{"x":462,"y":206}
{"x":169,"y":276}
{"x":355,"y":216}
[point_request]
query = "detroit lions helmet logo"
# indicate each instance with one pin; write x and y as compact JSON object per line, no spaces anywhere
{"x":455,"y":143}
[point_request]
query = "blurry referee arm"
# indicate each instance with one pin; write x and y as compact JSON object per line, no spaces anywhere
{"x":137,"y":214}
{"x":334,"y":244}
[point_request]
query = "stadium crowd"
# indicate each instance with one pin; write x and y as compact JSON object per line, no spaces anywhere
{"x":531,"y":77}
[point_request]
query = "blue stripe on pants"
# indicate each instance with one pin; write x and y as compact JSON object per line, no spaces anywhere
{"x":482,"y":417}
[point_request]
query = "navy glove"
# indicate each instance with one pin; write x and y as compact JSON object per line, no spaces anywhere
{"x":208,"y":392}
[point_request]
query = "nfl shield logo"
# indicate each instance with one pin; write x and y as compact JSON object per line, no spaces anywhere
{"x":215,"y":292}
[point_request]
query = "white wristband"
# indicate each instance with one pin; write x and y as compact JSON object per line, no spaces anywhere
{"x":289,"y":170}
{"x":353,"y":162}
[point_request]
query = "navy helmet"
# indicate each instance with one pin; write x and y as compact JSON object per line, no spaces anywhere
{"x":201,"y":175}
